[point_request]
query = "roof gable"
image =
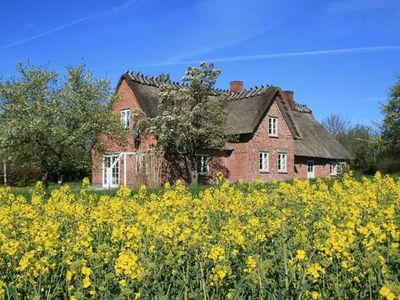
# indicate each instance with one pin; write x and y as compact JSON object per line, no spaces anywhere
{"x":245,"y":114}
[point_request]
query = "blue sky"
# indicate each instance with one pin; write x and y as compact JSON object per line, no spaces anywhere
{"x":338,"y":56}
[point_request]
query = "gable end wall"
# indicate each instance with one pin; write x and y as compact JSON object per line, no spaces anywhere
{"x":243,"y":163}
{"x":127,"y":100}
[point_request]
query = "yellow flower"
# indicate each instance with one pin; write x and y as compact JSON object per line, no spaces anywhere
{"x":127,"y":264}
{"x":217,"y":253}
{"x":68,"y":276}
{"x":315,"y":295}
{"x":2,"y":285}
{"x":300,"y":255}
{"x":219,"y":272}
{"x":36,"y":199}
{"x":86,"y":182}
{"x":315,"y":270}
{"x":386,"y":293}
{"x":86,"y":271}
{"x":39,"y":185}
{"x":234,"y":252}
{"x":224,"y":236}
{"x":86,"y":282}
{"x":122,"y":282}
{"x":250,"y":264}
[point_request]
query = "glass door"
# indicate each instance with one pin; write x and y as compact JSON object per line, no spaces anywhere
{"x":310,"y":169}
{"x":110,"y":171}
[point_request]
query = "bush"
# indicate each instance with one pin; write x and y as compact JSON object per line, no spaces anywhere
{"x":389,"y":162}
{"x":23,"y":175}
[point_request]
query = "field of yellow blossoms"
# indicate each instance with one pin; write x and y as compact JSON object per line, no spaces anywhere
{"x":305,"y":240}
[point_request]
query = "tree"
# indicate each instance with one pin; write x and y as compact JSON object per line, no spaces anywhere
{"x":358,"y":139}
{"x":391,"y":122}
{"x":389,"y":158}
{"x":55,"y":123}
{"x":337,"y":125}
{"x":360,"y":142}
{"x":190,"y":119}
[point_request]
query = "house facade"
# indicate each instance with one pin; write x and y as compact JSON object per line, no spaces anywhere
{"x":276,"y":139}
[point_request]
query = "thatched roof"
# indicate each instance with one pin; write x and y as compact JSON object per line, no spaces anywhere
{"x":245,"y":114}
{"x":315,"y":140}
{"x":245,"y":111}
{"x":147,"y":96}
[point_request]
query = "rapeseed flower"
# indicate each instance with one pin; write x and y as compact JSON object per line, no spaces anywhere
{"x":230,"y":240}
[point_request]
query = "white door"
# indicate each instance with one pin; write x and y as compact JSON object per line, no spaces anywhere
{"x":110,"y":171}
{"x":310,"y":169}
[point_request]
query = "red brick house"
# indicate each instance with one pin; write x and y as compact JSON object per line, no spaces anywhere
{"x":278,"y":139}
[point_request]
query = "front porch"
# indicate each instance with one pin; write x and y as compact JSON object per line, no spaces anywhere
{"x":129,"y":169}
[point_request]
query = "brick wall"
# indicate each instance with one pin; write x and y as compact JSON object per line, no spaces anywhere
{"x":243,"y":163}
{"x":321,"y":166}
{"x":127,"y":100}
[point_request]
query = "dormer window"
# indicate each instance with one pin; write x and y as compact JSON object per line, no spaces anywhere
{"x":126,"y":117}
{"x":272,"y":126}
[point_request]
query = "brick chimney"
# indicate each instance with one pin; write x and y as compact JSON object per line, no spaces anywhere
{"x":236,"y":86}
{"x":290,"y":98}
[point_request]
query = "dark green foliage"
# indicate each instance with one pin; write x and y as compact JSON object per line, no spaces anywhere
{"x":54,"y":123}
{"x":360,"y":140}
{"x":391,"y":122}
{"x":390,"y":155}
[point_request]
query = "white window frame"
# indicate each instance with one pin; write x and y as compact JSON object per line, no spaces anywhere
{"x":333,"y":168}
{"x":273,"y":126}
{"x":263,"y":159}
{"x":310,"y":174}
{"x":282,"y":168}
{"x":341,"y":167}
{"x":111,"y":175}
{"x":126,"y":117}
{"x":204,"y":164}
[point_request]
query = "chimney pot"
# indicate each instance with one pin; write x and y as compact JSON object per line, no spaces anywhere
{"x":290,"y":98}
{"x":236,"y":86}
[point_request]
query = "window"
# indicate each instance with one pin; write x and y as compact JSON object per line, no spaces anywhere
{"x":310,"y":169}
{"x":333,"y":168}
{"x":282,"y":162}
{"x":273,"y":126}
{"x":264,"y":161}
{"x":341,"y":168}
{"x":203,"y":164}
{"x":126,"y":117}
{"x":110,"y":171}
{"x":310,"y":166}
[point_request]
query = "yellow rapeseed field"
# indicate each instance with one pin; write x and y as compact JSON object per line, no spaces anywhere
{"x":304,"y":240}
